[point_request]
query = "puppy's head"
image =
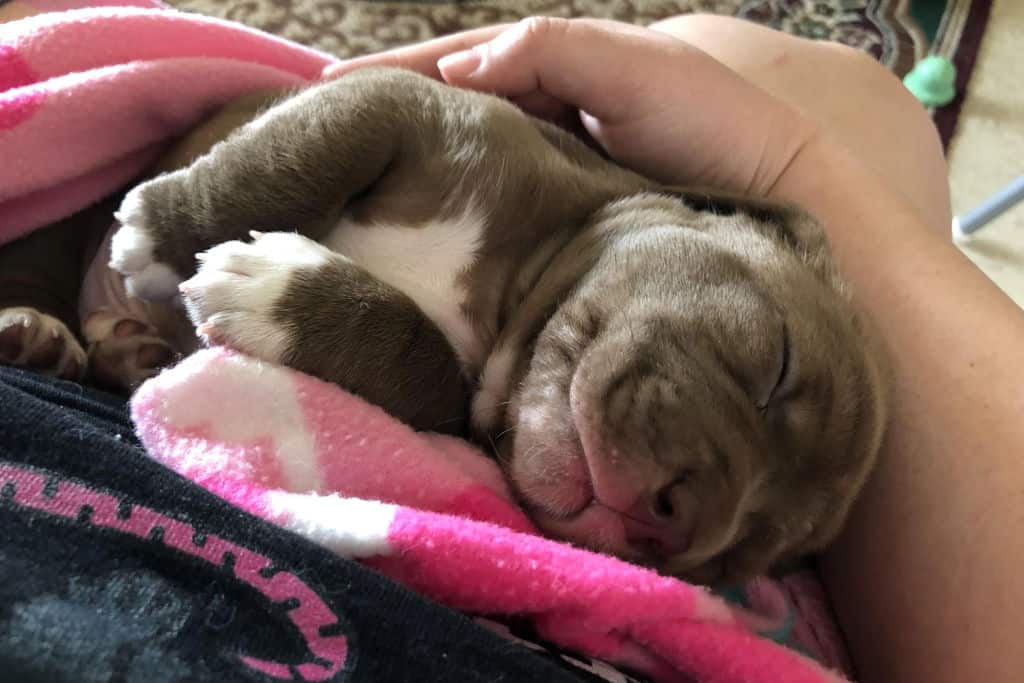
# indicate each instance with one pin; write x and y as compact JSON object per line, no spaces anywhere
{"x":705,"y":400}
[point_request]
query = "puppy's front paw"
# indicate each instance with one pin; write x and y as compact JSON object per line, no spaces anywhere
{"x":39,"y":342}
{"x":233,"y":299}
{"x":132,"y":251}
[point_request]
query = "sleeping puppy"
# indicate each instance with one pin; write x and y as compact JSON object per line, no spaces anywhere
{"x":673,"y":377}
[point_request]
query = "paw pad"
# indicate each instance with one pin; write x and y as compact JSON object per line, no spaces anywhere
{"x":39,"y":342}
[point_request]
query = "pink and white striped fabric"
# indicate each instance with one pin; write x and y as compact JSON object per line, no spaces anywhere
{"x":435,"y":514}
{"x":87,"y":98}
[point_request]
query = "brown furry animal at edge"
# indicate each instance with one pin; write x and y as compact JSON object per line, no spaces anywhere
{"x":672,"y":375}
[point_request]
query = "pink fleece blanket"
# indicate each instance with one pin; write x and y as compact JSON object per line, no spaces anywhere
{"x":87,"y":97}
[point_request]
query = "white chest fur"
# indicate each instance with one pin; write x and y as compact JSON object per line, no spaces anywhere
{"x":424,"y":262}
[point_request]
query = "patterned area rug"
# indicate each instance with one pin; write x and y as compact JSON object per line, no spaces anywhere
{"x":896,"y":32}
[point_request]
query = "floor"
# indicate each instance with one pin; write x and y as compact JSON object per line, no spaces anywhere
{"x":987,"y":151}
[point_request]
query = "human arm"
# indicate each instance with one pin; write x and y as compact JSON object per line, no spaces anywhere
{"x":925,"y":577}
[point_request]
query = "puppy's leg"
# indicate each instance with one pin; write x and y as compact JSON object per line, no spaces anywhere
{"x":40,"y":280}
{"x":287,"y":299}
{"x":294,"y":167}
{"x":39,"y":342}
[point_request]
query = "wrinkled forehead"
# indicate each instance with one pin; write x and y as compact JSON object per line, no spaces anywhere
{"x":659,"y":261}
{"x":735,"y":312}
{"x":669,"y":281}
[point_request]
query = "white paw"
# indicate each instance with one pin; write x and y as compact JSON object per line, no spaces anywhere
{"x":131,"y":254}
{"x":39,"y":342}
{"x":233,"y":297}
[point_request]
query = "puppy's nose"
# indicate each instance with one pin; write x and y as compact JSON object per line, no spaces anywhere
{"x":661,"y":523}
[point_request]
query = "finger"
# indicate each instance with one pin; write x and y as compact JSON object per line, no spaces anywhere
{"x":601,"y":67}
{"x":421,"y":57}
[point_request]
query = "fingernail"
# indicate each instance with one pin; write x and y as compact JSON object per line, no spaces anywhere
{"x":255,"y":234}
{"x":331,"y":71}
{"x":345,"y":66}
{"x":460,"y":64}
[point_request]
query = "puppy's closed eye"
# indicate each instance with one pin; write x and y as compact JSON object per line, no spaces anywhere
{"x":782,"y":378}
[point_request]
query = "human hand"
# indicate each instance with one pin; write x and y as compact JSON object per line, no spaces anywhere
{"x":655,"y":103}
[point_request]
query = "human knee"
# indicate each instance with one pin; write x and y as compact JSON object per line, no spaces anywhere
{"x":694,"y":21}
{"x":858,"y":68}
{"x":910,"y":138}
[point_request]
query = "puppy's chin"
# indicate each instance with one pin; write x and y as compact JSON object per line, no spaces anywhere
{"x":549,"y":472}
{"x":595,"y":527}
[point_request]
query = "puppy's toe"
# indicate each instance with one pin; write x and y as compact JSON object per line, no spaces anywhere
{"x":16,"y":331}
{"x":251,"y":333}
{"x":39,"y":342}
{"x":122,"y":361}
{"x":104,"y":323}
{"x":132,"y":252}
{"x":291,"y":248}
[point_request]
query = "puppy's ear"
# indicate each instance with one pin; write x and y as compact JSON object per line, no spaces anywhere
{"x":792,"y":224}
{"x":799,"y":229}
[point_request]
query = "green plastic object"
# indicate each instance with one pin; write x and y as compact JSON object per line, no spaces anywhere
{"x":932,"y":81}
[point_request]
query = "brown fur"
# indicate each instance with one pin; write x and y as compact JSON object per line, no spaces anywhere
{"x":647,"y":327}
